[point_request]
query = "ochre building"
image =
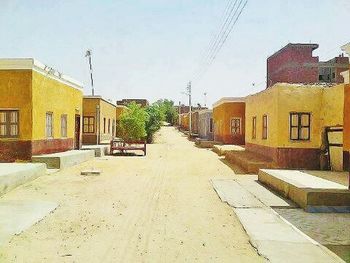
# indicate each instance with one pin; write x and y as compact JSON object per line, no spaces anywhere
{"x":40,"y":110}
{"x":99,"y":120}
{"x":229,"y":121}
{"x":300,"y":126}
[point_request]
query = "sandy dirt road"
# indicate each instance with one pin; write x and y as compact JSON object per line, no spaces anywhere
{"x":158,"y":208}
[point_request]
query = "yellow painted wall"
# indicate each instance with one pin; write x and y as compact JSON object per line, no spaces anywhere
{"x":15,"y":90}
{"x":50,"y":95}
{"x":257,"y":105}
{"x":89,"y":109}
{"x":324,"y":104}
{"x":347,"y":117}
{"x":299,"y":99}
{"x":107,"y":111}
{"x":222,"y":115}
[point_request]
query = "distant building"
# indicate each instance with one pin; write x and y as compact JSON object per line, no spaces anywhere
{"x":346,"y":74}
{"x":331,"y":70}
{"x":40,"y":110}
{"x":142,"y":102}
{"x":99,"y":120}
{"x":206,"y":125}
{"x":229,"y":120}
{"x":185,"y":109}
{"x":295,"y":63}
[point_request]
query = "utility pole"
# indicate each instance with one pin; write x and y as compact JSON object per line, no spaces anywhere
{"x":189,"y":93}
{"x":88,"y":54}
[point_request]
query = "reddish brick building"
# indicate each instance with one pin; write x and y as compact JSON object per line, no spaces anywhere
{"x":293,"y":63}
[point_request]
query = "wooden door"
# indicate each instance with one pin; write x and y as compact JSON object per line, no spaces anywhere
{"x":77,"y":132}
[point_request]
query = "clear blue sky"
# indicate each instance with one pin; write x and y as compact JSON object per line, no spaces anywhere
{"x":151,"y":48}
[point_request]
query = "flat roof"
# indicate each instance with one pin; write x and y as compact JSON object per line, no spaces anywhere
{"x":36,"y":65}
{"x":228,"y":100}
{"x":98,"y":97}
{"x":313,"y":46}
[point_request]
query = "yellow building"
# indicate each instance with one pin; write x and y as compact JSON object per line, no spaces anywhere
{"x":292,"y":124}
{"x":99,"y":120}
{"x":184,"y":121}
{"x":40,"y":110}
{"x":229,"y":120}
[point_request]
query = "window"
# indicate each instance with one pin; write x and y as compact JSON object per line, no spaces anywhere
{"x":109,"y":125}
{"x":254,"y":128}
{"x":104,"y":125}
{"x":49,"y":125}
{"x":265,"y":126}
{"x":236,"y":126}
{"x":9,"y":123}
{"x":211,"y":124}
{"x":89,"y":125}
{"x":113,"y":128}
{"x":299,"y":126}
{"x":64,"y":125}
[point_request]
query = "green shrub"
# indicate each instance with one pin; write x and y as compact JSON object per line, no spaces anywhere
{"x":133,"y":123}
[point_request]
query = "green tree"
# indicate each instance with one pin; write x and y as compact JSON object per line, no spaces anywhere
{"x":154,"y":121}
{"x":167,"y":106}
{"x":133,"y":123}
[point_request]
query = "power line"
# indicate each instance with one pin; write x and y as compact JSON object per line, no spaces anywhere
{"x":226,"y":16}
{"x":222,"y":36}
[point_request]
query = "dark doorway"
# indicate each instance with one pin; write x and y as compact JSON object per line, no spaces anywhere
{"x":77,"y":132}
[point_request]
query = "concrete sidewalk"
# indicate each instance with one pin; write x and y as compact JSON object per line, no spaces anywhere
{"x":16,"y":216}
{"x":15,"y":174}
{"x":273,"y":237}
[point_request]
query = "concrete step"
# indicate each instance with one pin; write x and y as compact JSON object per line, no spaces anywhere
{"x":15,"y":174}
{"x":64,"y":159}
{"x":222,"y":150}
{"x":264,"y":194}
{"x":17,"y":216}
{"x":251,"y":163}
{"x":278,"y":241}
{"x":100,"y":150}
{"x":312,"y":193}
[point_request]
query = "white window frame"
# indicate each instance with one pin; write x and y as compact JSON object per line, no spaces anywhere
{"x":240,"y":125}
{"x":48,"y":126}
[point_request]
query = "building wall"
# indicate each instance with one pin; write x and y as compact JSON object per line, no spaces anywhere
{"x":346,"y":135}
{"x":185,"y":121}
{"x":194,"y":121}
{"x":293,"y":64}
{"x":222,"y":115}
{"x":107,"y":112}
{"x":89,"y":110}
{"x":15,"y":90}
{"x":204,"y":125}
{"x":49,"y":95}
{"x":325,"y":106}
